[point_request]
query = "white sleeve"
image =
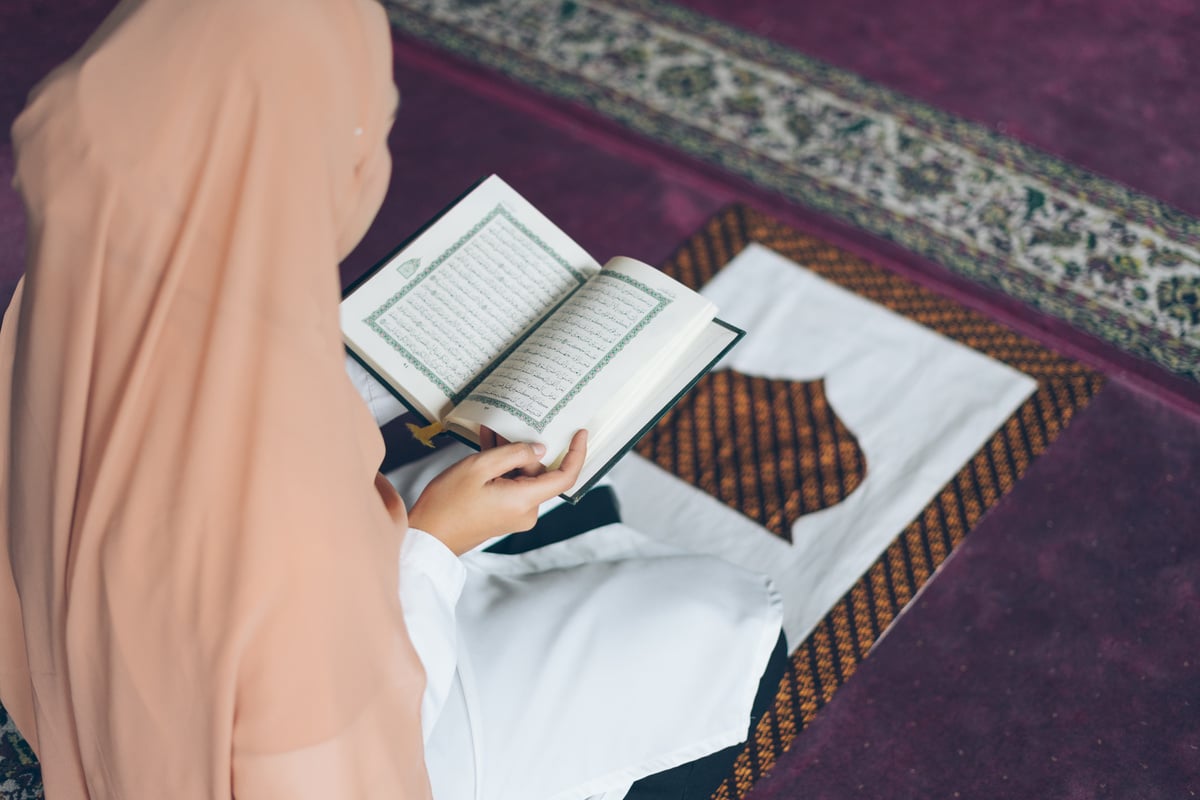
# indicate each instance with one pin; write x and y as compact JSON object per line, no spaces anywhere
{"x":383,"y":404}
{"x":431,"y":580}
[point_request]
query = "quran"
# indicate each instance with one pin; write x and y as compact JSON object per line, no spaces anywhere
{"x":492,"y":316}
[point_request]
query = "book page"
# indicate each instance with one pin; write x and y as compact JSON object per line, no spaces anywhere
{"x":618,"y":427}
{"x":626,"y":318}
{"x":472,"y":302}
{"x":445,"y":308}
{"x":537,"y":380}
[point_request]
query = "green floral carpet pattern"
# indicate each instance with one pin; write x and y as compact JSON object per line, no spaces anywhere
{"x":20,"y":774}
{"x":1117,"y":264}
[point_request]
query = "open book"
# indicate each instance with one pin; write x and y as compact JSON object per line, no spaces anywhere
{"x":492,"y":316}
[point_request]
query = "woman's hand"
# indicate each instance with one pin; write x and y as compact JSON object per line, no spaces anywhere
{"x":492,"y":493}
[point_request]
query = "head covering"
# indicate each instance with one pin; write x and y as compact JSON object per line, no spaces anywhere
{"x":198,"y":577}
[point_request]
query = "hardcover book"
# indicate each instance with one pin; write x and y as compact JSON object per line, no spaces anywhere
{"x":492,"y":316}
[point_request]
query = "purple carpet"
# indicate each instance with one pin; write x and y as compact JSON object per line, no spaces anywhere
{"x":1108,"y":85}
{"x":1053,"y":655}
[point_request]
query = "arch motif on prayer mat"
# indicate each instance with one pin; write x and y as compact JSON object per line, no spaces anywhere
{"x":772,"y":449}
{"x":709,"y":459}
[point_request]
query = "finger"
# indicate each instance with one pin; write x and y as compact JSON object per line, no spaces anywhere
{"x":559,"y":480}
{"x":487,"y":437}
{"x":532,"y":471}
{"x":572,"y":462}
{"x":505,"y":458}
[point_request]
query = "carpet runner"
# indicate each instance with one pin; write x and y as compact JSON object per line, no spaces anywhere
{"x":1117,"y":264}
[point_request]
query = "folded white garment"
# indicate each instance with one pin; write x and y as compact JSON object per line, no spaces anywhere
{"x":593,"y":662}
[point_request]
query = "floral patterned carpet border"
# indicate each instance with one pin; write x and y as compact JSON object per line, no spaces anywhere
{"x":20,"y":773}
{"x":1114,"y":263}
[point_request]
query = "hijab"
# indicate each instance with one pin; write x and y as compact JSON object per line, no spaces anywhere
{"x":198,"y":570}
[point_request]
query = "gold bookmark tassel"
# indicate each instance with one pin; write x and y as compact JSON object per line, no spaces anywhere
{"x":425,"y":434}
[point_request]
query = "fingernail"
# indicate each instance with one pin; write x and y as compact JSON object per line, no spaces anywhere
{"x":539,"y":449}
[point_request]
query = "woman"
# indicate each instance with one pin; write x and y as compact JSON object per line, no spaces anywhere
{"x":198,"y":578}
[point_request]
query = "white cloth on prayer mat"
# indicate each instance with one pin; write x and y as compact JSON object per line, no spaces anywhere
{"x":920,"y":405}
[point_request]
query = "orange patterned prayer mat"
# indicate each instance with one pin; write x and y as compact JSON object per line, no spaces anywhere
{"x":774,"y":450}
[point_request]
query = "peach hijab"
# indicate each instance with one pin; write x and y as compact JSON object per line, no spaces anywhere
{"x":198,"y":570}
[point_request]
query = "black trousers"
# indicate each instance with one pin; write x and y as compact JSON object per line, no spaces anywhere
{"x":696,"y":780}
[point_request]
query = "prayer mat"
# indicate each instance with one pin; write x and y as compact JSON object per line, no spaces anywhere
{"x":1109,"y":261}
{"x":782,"y":453}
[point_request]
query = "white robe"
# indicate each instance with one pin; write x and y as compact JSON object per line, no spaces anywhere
{"x":575,"y":669}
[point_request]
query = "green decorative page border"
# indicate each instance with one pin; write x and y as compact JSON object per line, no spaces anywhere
{"x":540,"y":425}
{"x":371,"y":321}
{"x":1108,"y":260}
